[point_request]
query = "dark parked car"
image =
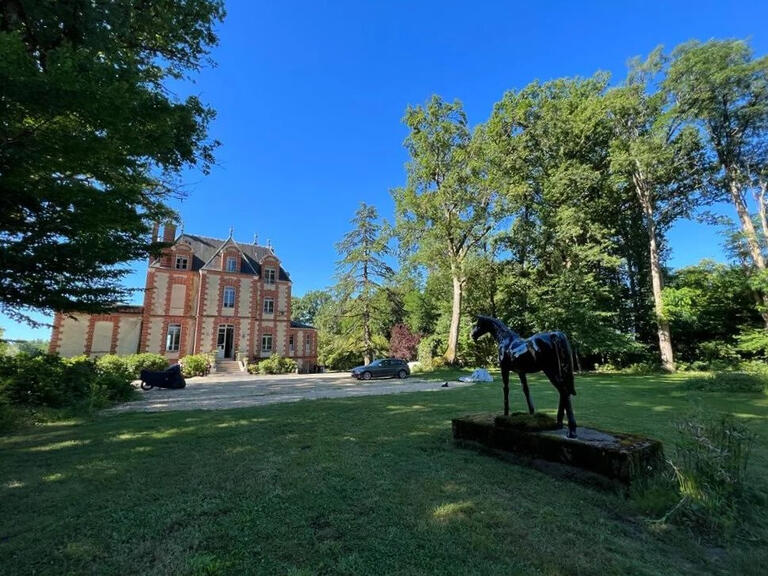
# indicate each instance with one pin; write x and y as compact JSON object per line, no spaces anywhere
{"x":382,"y":369}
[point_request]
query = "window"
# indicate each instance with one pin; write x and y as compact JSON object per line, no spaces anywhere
{"x":307,"y":345}
{"x":172,"y":340}
{"x":290,"y":344}
{"x":269,"y":276}
{"x":229,"y":297}
{"x":231,"y":264}
{"x":269,"y":306}
{"x":266,"y":343}
{"x":181,"y":263}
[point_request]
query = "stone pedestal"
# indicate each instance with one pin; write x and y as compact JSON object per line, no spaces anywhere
{"x":623,"y":458}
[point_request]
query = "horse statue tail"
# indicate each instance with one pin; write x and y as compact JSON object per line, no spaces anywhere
{"x":565,"y":359}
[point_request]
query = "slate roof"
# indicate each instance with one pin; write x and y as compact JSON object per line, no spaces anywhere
{"x":204,"y":248}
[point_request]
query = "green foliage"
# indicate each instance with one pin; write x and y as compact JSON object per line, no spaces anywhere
{"x":708,"y":305}
{"x":50,"y":381}
{"x":195,"y":365}
{"x":275,"y":364}
{"x":711,"y":457}
{"x":305,"y":309}
{"x":730,"y":381}
{"x":114,"y":364}
{"x":753,"y":342}
{"x":145,"y":361}
{"x":362,"y":273}
{"x":93,"y":140}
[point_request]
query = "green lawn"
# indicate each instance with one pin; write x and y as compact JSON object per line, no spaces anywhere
{"x":370,"y":485}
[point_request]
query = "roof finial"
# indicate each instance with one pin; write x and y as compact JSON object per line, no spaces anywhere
{"x":255,"y":239}
{"x":181,"y":227}
{"x":231,"y":231}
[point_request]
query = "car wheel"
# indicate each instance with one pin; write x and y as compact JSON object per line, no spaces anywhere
{"x":366,"y":375}
{"x":402,"y":374}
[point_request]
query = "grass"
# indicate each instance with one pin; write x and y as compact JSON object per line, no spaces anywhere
{"x":370,"y":485}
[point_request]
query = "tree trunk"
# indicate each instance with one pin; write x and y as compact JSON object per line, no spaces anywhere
{"x":662,"y":324}
{"x":665,"y":336}
{"x":367,"y":352}
{"x":453,"y":334}
{"x":760,"y":198}
{"x":748,"y":228}
{"x":367,"y":346}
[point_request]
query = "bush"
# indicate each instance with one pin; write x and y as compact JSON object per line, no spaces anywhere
{"x":195,"y":365}
{"x":145,"y":361}
{"x":275,"y":364}
{"x":729,"y":382}
{"x":711,"y":466}
{"x":114,"y":364}
{"x":47,"y":380}
{"x":111,"y":387}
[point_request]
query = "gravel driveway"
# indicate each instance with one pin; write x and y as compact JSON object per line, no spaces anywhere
{"x":222,"y":391}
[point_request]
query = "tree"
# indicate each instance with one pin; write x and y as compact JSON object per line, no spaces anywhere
{"x":720,"y":88}
{"x":361,"y":272}
{"x":91,"y":141}
{"x":562,"y":264}
{"x":306,"y":308}
{"x":659,"y":163}
{"x":708,"y":305}
{"x":403,"y":343}
{"x":448,"y":205}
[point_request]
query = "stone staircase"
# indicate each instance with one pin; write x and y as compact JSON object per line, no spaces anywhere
{"x":227,"y":367}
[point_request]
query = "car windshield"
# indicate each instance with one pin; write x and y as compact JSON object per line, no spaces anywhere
{"x":375,"y":363}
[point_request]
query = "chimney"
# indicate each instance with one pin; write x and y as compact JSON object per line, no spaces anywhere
{"x":153,"y":238}
{"x":169,"y":232}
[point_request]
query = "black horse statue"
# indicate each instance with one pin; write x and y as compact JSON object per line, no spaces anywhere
{"x":549,"y":352}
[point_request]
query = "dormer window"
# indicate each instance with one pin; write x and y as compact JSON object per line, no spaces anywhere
{"x":269,"y":276}
{"x":231,"y":264}
{"x":181,"y":263}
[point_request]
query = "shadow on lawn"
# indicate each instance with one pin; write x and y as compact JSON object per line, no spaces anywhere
{"x":374,"y":484}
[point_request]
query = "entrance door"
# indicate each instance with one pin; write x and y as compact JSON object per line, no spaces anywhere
{"x":225,"y":341}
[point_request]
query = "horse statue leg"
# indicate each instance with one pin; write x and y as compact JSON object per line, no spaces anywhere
{"x":527,"y":392}
{"x":505,"y":379}
{"x":571,"y":419}
{"x":561,"y":408}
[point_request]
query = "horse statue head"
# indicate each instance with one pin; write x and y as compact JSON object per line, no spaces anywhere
{"x":487,"y":325}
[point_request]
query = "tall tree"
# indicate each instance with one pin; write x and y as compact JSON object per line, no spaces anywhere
{"x":722,"y":89}
{"x":91,"y":141}
{"x":361,"y":272}
{"x":659,"y":163}
{"x":448,"y":205}
{"x":563,"y":264}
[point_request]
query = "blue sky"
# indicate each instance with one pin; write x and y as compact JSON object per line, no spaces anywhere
{"x":310,"y":97}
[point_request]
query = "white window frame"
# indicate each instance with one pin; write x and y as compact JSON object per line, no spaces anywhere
{"x":181,"y":259}
{"x":307,"y":345}
{"x":173,"y":338}
{"x":231,"y":264}
{"x":269,"y":276}
{"x":226,"y":302}
{"x":291,"y":346}
{"x":269,"y":306}
{"x":266,"y":339}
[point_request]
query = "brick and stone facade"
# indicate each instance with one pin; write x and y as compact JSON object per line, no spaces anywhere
{"x":202,"y":295}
